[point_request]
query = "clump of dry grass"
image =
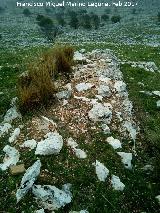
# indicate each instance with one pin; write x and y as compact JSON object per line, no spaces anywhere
{"x":36,"y":86}
{"x":63,"y":60}
{"x":39,"y":90}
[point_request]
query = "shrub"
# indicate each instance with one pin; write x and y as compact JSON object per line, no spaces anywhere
{"x":115,"y":19}
{"x":26,"y":12}
{"x":39,"y":17}
{"x":86,"y":21}
{"x":74,"y":23}
{"x":60,"y":19}
{"x":105,"y":17}
{"x":95,"y":20}
{"x":47,"y":27}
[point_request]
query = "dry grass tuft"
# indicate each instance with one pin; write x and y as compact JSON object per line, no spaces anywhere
{"x":63,"y":60}
{"x":36,"y":86}
{"x":40,"y":89}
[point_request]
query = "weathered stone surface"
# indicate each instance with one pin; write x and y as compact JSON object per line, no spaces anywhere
{"x":14,"y":135}
{"x":158,"y":104}
{"x":126,"y":159}
{"x":31,"y":144}
{"x":100,"y":112}
{"x":83,"y":86}
{"x":116,"y":183}
{"x":28,"y":180}
{"x":78,"y":152}
{"x":51,"y":145}
{"x":11,"y":157}
{"x":66,"y":94}
{"x":104,"y":90}
{"x":11,"y":115}
{"x":52,"y":198}
{"x":115,"y":143}
{"x":4,"y":128}
{"x":101,"y":171}
{"x":17,"y":169}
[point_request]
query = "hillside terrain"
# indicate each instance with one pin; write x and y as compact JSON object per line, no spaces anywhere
{"x":80,"y":109}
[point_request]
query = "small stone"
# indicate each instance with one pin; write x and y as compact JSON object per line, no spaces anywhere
{"x":101,"y":171}
{"x":126,"y":159}
{"x":83,"y":86}
{"x":158,"y":199}
{"x":105,"y":129}
{"x":115,"y":143}
{"x":17,"y":169}
{"x":66,"y":94}
{"x":116,"y":183}
{"x":158,"y":104}
{"x":104,"y":91}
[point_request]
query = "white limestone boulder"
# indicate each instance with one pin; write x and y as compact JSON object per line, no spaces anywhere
{"x":115,"y":143}
{"x":101,"y":171}
{"x":15,"y":134}
{"x":116,"y":183}
{"x":11,"y":157}
{"x":52,"y":198}
{"x":51,"y":145}
{"x":28,"y":180}
{"x":126,"y":159}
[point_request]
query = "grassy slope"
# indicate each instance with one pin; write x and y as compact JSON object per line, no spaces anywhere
{"x":88,"y":192}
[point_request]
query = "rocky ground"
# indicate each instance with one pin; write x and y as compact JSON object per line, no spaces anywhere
{"x":95,"y":101}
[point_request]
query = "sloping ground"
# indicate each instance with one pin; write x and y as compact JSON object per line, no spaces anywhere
{"x":96,"y":153}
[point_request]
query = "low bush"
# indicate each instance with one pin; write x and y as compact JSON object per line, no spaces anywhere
{"x":105,"y":17}
{"x":115,"y":19}
{"x":26,"y":12}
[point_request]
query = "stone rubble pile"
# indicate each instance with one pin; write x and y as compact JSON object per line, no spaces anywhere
{"x":97,"y":72}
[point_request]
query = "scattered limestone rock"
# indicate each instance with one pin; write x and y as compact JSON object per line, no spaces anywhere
{"x":146,"y":92}
{"x":104,"y":91}
{"x":66,"y":94}
{"x":4,"y":128}
{"x":126,"y":159}
{"x":120,"y":87}
{"x":11,"y":115}
{"x":148,"y":168}
{"x":79,"y":57}
{"x":158,"y":104}
{"x":115,"y":143}
{"x":14,"y":135}
{"x":11,"y":157}
{"x":78,"y":152}
{"x":131,"y":129}
{"x":116,"y":183}
{"x":101,"y":171}
{"x":51,"y":145}
{"x":52,"y":198}
{"x":158,"y":199}
{"x":157,"y":93}
{"x":106,"y":129}
{"x":83,"y":86}
{"x":28,"y":180}
{"x":40,"y":211}
{"x":31,"y":144}
{"x":17,"y":169}
{"x":100,"y":112}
